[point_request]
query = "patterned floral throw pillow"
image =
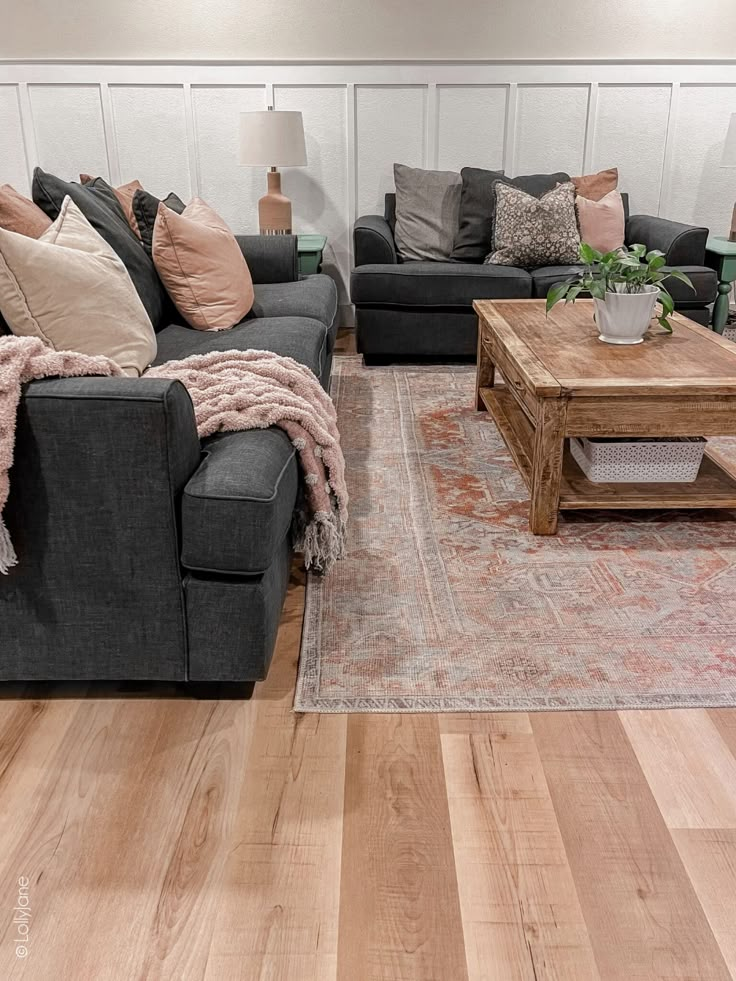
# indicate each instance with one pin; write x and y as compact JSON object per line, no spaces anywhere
{"x":532,"y":232}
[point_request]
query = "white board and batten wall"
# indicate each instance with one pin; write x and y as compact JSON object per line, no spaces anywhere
{"x":175,"y":127}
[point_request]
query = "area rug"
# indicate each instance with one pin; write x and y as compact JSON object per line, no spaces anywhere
{"x":446,"y":602}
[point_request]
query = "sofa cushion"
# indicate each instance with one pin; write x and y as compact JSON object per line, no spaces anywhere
{"x":101,"y":208}
{"x":438,"y":284}
{"x":704,"y":280}
{"x":20,"y":214}
{"x":594,"y":187}
{"x":314,"y":297}
{"x":427,"y":212}
{"x":544,"y":278}
{"x":474,"y":238}
{"x":202,"y":266}
{"x":145,"y":209}
{"x":237,"y":507}
{"x":46,"y":285}
{"x":124,"y":193}
{"x":300,"y":338}
{"x":602,"y":223}
{"x":475,"y":222}
{"x":705,"y":283}
{"x":530,"y":231}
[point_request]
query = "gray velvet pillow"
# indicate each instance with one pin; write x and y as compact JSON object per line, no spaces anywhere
{"x":427,"y":212}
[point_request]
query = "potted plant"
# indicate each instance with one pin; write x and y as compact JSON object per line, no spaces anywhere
{"x":625,"y":286}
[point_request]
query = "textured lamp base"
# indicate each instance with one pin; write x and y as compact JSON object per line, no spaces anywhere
{"x":274,"y":209}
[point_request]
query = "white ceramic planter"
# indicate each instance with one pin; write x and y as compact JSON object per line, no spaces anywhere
{"x":624,"y":318}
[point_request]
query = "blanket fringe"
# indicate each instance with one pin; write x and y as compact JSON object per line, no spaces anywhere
{"x":8,"y":558}
{"x":321,"y":539}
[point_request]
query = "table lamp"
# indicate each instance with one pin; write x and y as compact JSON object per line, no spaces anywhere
{"x":273,"y":139}
{"x":729,"y":160}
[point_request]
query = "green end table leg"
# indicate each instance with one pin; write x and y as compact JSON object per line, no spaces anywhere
{"x":721,"y":307}
{"x":722,"y":258}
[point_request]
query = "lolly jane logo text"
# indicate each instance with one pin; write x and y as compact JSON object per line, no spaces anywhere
{"x":22,"y":919}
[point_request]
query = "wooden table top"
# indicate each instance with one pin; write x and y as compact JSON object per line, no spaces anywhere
{"x":562,"y":353}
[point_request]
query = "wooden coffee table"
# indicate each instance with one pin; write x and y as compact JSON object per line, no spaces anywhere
{"x":561,"y":381}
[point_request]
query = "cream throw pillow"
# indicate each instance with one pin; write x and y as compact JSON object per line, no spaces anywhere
{"x":71,"y":289}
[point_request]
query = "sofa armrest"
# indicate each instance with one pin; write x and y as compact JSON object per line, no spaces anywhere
{"x":271,"y":258}
{"x":93,"y":513}
{"x":373,"y":241}
{"x":683,"y":245}
{"x":150,"y":420}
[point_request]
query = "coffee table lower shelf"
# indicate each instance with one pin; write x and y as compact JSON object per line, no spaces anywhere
{"x":715,"y":486}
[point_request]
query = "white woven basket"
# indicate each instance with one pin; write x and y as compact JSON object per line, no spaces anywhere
{"x":626,"y":461}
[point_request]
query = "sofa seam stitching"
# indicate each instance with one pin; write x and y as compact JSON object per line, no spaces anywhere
{"x":260,"y":500}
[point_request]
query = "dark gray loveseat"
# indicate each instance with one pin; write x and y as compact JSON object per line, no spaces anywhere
{"x":144,"y":554}
{"x":424,"y":309}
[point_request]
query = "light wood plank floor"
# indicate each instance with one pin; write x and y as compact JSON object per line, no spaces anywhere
{"x":165,"y":838}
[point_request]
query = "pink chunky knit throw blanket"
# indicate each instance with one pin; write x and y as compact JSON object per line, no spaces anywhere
{"x":231,"y":391}
{"x":234,"y":390}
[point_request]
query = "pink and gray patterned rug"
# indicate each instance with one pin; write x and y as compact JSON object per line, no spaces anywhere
{"x":447,"y":603}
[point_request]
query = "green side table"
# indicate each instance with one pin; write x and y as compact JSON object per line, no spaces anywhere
{"x":723,"y":259}
{"x":310,"y":249}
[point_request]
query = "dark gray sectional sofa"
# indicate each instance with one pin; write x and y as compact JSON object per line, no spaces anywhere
{"x":144,"y":554}
{"x":424,"y":309}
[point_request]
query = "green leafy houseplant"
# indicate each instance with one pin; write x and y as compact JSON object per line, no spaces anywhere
{"x":627,"y":270}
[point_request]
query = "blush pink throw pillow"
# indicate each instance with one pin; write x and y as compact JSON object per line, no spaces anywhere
{"x":124,"y":194}
{"x":595,"y":186}
{"x":602,"y":223}
{"x":201,"y":266}
{"x":18,"y":214}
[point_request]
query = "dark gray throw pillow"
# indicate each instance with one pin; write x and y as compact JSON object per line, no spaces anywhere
{"x":474,"y":239}
{"x":101,"y":208}
{"x":145,"y":208}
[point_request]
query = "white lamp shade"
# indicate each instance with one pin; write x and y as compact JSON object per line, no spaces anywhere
{"x":729,"y":149}
{"x":272,"y":139}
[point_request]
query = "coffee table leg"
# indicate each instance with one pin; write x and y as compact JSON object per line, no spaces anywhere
{"x":485,"y":372}
{"x":549,"y":445}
